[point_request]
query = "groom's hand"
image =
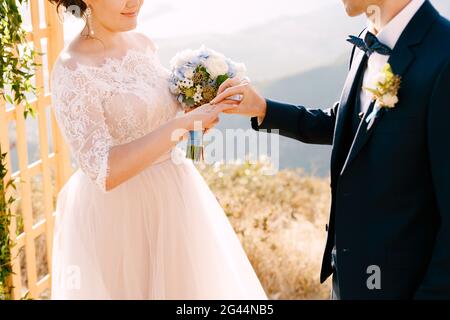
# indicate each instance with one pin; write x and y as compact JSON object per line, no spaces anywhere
{"x":251,"y":104}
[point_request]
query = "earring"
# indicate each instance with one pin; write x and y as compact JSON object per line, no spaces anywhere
{"x":89,"y":21}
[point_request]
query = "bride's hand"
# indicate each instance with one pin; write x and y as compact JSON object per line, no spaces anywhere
{"x":206,"y":115}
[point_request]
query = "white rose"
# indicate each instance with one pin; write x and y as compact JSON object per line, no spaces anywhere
{"x":389,"y":100}
{"x":216,"y":66}
{"x":181,"y":58}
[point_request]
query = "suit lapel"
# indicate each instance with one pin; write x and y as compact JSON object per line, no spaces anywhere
{"x":401,"y":59}
{"x":350,"y":87}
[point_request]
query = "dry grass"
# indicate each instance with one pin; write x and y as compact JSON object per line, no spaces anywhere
{"x":280,"y":220}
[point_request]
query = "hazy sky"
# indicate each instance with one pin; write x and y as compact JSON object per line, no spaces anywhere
{"x":163,"y":18}
{"x":171,"y":18}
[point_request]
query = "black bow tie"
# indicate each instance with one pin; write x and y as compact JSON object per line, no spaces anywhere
{"x":370,"y":44}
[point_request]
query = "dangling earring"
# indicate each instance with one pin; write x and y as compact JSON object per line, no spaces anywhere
{"x":89,"y":21}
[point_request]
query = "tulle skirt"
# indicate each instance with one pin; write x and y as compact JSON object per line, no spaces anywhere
{"x":160,"y":235}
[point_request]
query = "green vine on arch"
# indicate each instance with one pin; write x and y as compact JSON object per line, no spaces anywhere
{"x":17,"y":68}
{"x":5,"y":240}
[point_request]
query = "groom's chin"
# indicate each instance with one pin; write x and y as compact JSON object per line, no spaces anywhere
{"x":353,"y":14}
{"x":353,"y":8}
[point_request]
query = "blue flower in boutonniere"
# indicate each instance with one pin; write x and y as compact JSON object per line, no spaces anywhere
{"x":385,"y":93}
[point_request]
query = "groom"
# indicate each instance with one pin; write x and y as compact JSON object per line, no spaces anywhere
{"x":389,"y":227}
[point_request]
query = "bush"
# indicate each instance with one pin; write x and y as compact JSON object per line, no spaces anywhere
{"x":280,"y":220}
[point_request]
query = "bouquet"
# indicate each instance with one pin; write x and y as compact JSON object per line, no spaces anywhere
{"x":195,"y":78}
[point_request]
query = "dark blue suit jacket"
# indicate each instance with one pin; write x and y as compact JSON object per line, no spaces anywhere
{"x":391,"y":186}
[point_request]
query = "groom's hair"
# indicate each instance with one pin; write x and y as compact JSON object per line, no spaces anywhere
{"x":76,"y":7}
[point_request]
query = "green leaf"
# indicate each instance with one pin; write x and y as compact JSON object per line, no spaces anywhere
{"x":190,"y":102}
{"x":9,"y":99}
{"x":221,"y":79}
{"x":16,"y":70}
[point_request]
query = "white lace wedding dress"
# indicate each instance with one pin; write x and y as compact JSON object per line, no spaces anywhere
{"x":161,"y":234}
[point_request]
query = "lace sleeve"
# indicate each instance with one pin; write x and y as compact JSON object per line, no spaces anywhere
{"x":77,"y":104}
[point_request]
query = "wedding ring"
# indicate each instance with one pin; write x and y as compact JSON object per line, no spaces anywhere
{"x":245,"y":80}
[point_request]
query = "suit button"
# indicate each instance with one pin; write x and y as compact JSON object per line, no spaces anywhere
{"x":345,"y":250}
{"x":326,"y":227}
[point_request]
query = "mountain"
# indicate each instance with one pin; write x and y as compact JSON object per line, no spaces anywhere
{"x":320,"y":88}
{"x":278,"y":48}
{"x":284,"y":46}
{"x":317,"y":87}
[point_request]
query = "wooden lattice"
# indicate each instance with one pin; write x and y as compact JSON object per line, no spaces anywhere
{"x":52,"y":168}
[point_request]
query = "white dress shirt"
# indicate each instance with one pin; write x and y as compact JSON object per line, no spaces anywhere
{"x":389,"y":36}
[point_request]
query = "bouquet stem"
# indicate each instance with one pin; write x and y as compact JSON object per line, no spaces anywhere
{"x":195,"y":147}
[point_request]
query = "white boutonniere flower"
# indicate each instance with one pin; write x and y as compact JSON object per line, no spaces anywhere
{"x":385,"y":93}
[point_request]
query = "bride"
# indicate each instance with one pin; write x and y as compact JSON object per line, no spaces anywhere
{"x":132,"y":223}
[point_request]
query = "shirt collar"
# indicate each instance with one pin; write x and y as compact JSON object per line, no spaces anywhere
{"x":390,"y":34}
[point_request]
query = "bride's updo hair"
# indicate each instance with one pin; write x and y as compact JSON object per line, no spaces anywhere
{"x":76,"y":7}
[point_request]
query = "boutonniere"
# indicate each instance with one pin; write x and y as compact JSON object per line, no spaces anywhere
{"x":385,"y":93}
